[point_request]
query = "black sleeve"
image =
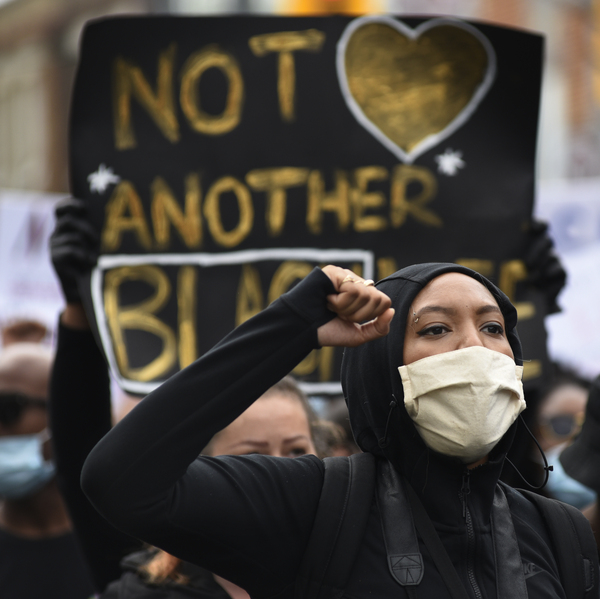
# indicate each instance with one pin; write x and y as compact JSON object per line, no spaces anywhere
{"x":80,"y":414}
{"x":245,"y":518}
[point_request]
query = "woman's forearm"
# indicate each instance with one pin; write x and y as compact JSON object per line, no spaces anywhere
{"x":134,"y":470}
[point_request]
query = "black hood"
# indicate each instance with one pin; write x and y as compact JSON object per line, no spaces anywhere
{"x":371,"y":380}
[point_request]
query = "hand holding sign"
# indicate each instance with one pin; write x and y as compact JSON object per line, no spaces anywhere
{"x":357,"y":301}
{"x":74,"y":247}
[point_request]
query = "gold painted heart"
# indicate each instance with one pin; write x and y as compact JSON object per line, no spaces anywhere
{"x":412,"y":88}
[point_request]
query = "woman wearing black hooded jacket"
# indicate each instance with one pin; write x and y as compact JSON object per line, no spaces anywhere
{"x":255,"y":513}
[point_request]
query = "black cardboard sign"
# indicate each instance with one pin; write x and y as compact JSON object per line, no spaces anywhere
{"x":224,"y":157}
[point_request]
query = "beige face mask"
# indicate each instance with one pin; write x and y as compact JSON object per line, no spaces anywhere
{"x":462,"y":402}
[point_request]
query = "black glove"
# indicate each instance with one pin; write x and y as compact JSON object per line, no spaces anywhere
{"x":546,"y":273}
{"x":74,"y":246}
{"x":581,"y":460}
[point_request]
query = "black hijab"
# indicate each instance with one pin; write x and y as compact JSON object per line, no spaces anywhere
{"x":371,"y":381}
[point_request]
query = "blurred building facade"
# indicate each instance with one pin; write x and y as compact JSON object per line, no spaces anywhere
{"x":38,"y":56}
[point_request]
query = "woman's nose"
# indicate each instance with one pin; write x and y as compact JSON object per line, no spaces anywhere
{"x":470,"y":337}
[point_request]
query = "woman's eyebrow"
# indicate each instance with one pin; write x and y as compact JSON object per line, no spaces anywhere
{"x":451,"y":311}
{"x":488,"y":308}
{"x":251,"y":442}
{"x":443,"y":309}
{"x":295,"y":438}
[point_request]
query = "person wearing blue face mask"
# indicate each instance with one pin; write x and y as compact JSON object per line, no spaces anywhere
{"x":39,"y":556}
{"x":23,"y":468}
{"x":561,"y":412}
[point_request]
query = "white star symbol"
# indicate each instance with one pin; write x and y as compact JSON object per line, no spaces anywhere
{"x":102,"y":178}
{"x":449,"y":162}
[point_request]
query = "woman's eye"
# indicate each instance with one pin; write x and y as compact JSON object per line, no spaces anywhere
{"x":296,"y":452}
{"x":433,"y":330}
{"x":494,"y":328}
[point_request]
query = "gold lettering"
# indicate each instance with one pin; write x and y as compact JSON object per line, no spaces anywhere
{"x":385,"y":267}
{"x":532,"y":369}
{"x":287,"y":273}
{"x":124,"y":199}
{"x":186,"y":315}
{"x":483,"y":267}
{"x":249,"y":296}
{"x":285,"y":43}
{"x":284,"y":276}
{"x":129,"y":80}
{"x":199,"y":62}
{"x":275,"y":181}
{"x":363,"y":200}
{"x":166,"y":211}
{"x":308,"y":365}
{"x":525,"y":310}
{"x":139,"y":317}
{"x":319,"y":201}
{"x":325,"y":362}
{"x":357,"y":268}
{"x":212,"y":211}
{"x":321,"y":359}
{"x":511,"y":273}
{"x":401,"y":206}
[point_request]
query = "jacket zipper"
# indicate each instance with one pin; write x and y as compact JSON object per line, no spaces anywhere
{"x":464,"y":492}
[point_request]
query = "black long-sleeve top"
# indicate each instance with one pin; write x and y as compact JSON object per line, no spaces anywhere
{"x":80,"y":415}
{"x":248,"y":518}
{"x":146,"y":478}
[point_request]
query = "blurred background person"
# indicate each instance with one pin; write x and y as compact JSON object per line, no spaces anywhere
{"x":561,"y":409}
{"x":581,"y":459}
{"x":23,"y":331}
{"x":559,"y":416}
{"x":341,"y":439}
{"x":39,"y":556}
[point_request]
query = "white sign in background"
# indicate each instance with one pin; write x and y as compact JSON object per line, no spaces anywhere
{"x":572,"y":208}
{"x":29,"y":288}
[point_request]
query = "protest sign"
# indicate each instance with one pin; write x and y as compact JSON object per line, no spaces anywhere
{"x":223,"y":158}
